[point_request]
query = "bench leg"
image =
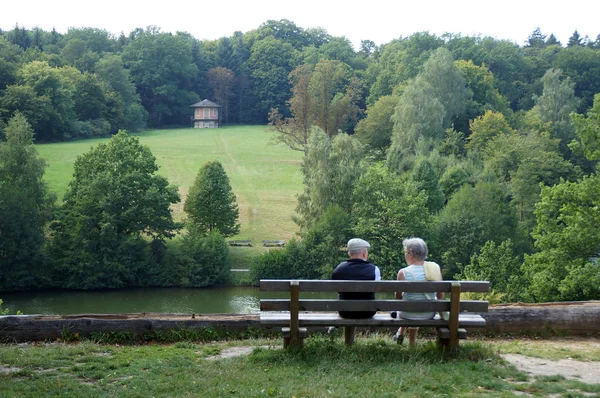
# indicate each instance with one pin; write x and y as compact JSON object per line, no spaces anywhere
{"x":349,"y":334}
{"x":289,"y":342}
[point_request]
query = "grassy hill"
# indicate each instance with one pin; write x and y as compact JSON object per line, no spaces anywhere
{"x":265,"y":178}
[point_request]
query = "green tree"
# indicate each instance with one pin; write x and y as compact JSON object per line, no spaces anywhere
{"x":523,"y":163}
{"x":387,"y":210}
{"x":271,"y":61}
{"x":417,"y":121}
{"x":128,"y":112}
{"x":211,"y":204}
{"x":294,"y":131}
{"x":587,"y":129}
{"x":114,"y":201}
{"x":375,"y":131}
{"x":426,"y":180}
{"x":472,"y":217}
{"x":330,"y":171}
{"x":325,"y":241}
{"x":555,"y":105}
{"x":497,"y":264}
{"x":575,"y":40}
{"x":205,"y":261}
{"x":448,"y":84}
{"x":567,"y":237}
{"x":486,"y":96}
{"x":331,"y":101}
{"x":484,"y":128}
{"x":163,"y":70}
{"x":26,"y":207}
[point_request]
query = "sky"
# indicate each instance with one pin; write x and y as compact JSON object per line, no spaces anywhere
{"x":376,"y":20}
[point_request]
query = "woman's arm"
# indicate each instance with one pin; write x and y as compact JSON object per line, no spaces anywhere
{"x":400,"y":278}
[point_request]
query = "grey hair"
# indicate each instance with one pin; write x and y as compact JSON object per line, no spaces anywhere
{"x":415,"y":246}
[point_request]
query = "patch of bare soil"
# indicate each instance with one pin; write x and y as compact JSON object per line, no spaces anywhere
{"x":233,"y":352}
{"x":586,"y":372}
{"x":5,"y":370}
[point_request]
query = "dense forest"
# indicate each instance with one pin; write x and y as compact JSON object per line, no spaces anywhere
{"x":485,"y":148}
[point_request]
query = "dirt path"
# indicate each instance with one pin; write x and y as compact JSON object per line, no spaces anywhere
{"x":586,"y":372}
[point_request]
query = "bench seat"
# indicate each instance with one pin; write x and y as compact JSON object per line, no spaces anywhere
{"x":379,"y":320}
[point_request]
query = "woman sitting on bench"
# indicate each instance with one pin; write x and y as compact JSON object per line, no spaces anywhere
{"x":415,"y":253}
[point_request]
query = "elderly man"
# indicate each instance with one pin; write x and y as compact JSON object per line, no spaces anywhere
{"x":357,"y":268}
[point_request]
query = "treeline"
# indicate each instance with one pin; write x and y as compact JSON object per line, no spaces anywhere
{"x":88,"y":82}
{"x":112,"y":227}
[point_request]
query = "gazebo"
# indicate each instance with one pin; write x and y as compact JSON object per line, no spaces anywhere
{"x":207,"y":114}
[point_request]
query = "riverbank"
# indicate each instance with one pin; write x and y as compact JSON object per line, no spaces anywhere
{"x":372,"y":367}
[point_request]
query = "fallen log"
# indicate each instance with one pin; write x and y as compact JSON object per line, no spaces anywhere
{"x":574,"y":318}
{"x":17,"y":328}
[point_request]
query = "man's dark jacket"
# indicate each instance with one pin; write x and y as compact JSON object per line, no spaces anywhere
{"x":356,"y":270}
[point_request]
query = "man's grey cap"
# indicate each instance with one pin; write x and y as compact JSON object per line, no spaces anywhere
{"x":357,"y":244}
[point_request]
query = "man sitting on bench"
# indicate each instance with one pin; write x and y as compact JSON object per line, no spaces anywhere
{"x":357,"y":268}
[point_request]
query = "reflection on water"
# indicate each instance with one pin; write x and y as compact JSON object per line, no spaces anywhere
{"x":229,"y":300}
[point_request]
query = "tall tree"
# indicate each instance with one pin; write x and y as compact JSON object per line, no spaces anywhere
{"x":375,"y":131}
{"x":221,"y":80}
{"x":385,"y":211}
{"x":164,"y":72}
{"x":114,"y":201}
{"x":332,"y":102}
{"x":555,"y":105}
{"x":426,"y":180}
{"x":473,"y":216}
{"x":294,"y":131}
{"x":417,"y":119}
{"x":330,"y":168}
{"x":211,"y":204}
{"x":25,"y":206}
{"x":574,"y":40}
{"x":448,"y":84}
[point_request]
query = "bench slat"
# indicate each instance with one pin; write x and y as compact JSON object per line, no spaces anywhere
{"x":332,"y":319}
{"x":372,"y":286}
{"x":371,"y":305}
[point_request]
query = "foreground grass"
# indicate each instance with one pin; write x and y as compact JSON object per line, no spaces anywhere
{"x":372,"y":367}
{"x":264,"y":177}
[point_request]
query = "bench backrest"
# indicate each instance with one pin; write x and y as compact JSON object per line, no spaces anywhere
{"x":295,"y":303}
{"x":283,"y":285}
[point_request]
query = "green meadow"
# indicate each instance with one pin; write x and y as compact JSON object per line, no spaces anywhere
{"x":266,"y":178}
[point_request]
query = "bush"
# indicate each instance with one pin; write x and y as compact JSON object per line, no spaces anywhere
{"x":205,"y":261}
{"x":292,"y":262}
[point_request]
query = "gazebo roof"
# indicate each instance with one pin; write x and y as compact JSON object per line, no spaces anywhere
{"x":205,"y":104}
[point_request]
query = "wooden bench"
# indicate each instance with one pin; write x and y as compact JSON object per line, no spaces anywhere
{"x":273,"y":243}
{"x":240,"y":243}
{"x":295,"y":314}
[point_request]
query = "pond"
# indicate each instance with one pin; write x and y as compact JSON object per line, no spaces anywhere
{"x":225,"y":300}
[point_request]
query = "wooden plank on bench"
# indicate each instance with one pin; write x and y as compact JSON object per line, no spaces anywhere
{"x":372,"y":305}
{"x":280,"y":285}
{"x":333,"y":319}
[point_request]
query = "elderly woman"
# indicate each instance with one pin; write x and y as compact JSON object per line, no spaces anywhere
{"x":415,"y":253}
